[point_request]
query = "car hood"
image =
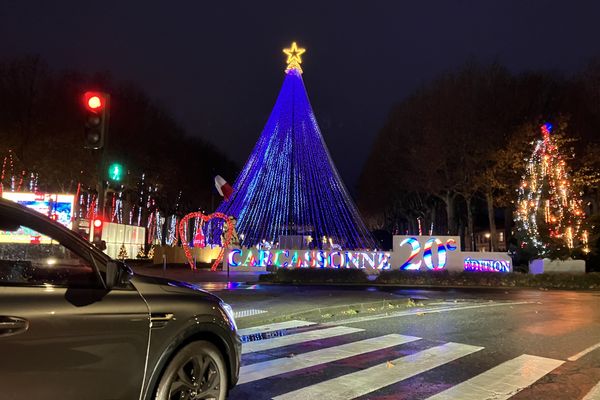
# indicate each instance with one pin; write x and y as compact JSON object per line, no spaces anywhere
{"x":150,"y":286}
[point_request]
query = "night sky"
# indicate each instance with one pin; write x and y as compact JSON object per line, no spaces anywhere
{"x":218,"y":65}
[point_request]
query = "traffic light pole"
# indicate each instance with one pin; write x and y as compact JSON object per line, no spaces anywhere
{"x":97,"y":127}
{"x":101,"y":184}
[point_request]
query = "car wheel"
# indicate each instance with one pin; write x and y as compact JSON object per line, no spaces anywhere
{"x":196,"y":372}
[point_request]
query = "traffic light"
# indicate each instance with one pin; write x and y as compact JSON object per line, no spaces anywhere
{"x":115,"y":172}
{"x":96,"y":118}
{"x":97,"y":225}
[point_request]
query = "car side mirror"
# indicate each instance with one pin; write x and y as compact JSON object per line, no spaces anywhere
{"x":117,"y":274}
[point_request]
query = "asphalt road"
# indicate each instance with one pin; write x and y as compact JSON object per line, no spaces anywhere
{"x":332,"y":342}
{"x":504,"y":344}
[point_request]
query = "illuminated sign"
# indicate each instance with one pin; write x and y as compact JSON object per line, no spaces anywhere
{"x":58,"y":207}
{"x":483,"y":265}
{"x":309,"y":259}
{"x":413,"y":253}
{"x":433,"y":253}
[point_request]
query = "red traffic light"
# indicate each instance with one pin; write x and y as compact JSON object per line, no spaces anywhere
{"x":94,"y":101}
{"x":97,"y":223}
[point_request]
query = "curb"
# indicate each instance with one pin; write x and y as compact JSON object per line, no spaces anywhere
{"x":409,"y":286}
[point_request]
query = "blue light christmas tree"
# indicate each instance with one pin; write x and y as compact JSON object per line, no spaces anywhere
{"x":289,"y":185}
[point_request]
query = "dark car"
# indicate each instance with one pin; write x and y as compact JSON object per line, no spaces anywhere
{"x":75,"y":324}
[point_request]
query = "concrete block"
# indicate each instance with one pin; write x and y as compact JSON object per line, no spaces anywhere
{"x":540,"y":266}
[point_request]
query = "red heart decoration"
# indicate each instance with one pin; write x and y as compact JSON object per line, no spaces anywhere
{"x":205,"y":218}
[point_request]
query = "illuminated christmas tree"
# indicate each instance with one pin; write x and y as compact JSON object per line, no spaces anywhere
{"x":289,"y":185}
{"x":150,"y":254}
{"x":122,"y":253}
{"x":141,"y":253}
{"x":549,"y":212}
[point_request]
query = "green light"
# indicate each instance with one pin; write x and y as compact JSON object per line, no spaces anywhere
{"x":115,"y":172}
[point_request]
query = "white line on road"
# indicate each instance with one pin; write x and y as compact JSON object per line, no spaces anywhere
{"x":278,"y":366}
{"x":301,"y":337}
{"x":274,"y":327}
{"x":368,"y":380}
{"x":421,"y":311}
{"x":584,"y":352}
{"x":503,"y":381}
{"x":593,"y":394}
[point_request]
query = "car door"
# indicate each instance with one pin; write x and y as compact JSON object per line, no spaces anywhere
{"x":62,"y":334}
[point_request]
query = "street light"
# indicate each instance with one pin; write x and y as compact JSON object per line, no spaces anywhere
{"x":488,"y":236}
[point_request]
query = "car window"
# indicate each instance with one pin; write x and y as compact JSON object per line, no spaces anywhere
{"x":29,"y":258}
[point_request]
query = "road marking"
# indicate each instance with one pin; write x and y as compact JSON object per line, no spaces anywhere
{"x":278,"y":366}
{"x":301,"y":337}
{"x":274,"y":327}
{"x":584,"y":352}
{"x":247,"y":313}
{"x":421,"y":311}
{"x":593,"y":394}
{"x":368,"y":380}
{"x":502,"y":381}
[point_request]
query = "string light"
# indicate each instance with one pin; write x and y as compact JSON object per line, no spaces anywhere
{"x":289,"y":184}
{"x":547,"y":206}
{"x":294,"y":58}
{"x":199,"y":216}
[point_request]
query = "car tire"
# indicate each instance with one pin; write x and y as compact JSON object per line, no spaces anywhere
{"x":196,"y":372}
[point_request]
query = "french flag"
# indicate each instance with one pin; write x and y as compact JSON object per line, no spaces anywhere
{"x":223,"y":187}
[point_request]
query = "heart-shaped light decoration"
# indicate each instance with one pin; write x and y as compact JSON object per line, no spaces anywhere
{"x":205,"y":218}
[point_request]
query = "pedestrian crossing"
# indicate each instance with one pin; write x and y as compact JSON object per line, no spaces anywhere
{"x":322,"y":346}
{"x":279,"y":366}
{"x":503,"y":381}
{"x":593,"y":394}
{"x":368,"y":380}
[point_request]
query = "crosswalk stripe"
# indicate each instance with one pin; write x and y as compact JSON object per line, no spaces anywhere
{"x":593,"y":394}
{"x":301,"y":337}
{"x":584,"y":352}
{"x":278,"y":366}
{"x":368,"y":380}
{"x":274,"y":327}
{"x":502,"y":381}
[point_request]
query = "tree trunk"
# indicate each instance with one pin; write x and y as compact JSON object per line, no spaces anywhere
{"x":449,"y":200}
{"x":431,"y":228}
{"x":492,"y":220}
{"x":469,"y":235}
{"x":412,"y":228}
{"x":508,"y":224}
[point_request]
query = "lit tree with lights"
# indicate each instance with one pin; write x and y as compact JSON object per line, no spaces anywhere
{"x":289,"y":185}
{"x":549,"y":212}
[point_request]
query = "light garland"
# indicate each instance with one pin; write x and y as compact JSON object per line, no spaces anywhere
{"x":182,"y":230}
{"x":171,"y":239}
{"x":294,"y":58}
{"x":547,"y":206}
{"x":289,"y":184}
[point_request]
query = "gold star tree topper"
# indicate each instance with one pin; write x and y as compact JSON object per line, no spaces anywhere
{"x":294,"y":59}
